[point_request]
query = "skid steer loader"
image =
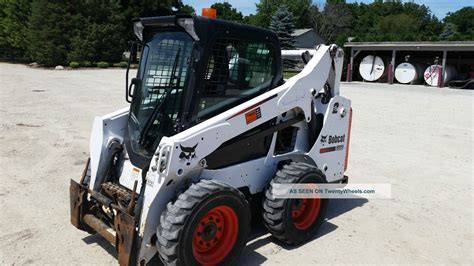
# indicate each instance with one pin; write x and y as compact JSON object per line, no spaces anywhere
{"x":212,"y":126}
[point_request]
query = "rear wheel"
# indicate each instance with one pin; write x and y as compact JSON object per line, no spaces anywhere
{"x":294,"y":221}
{"x":208,"y":224}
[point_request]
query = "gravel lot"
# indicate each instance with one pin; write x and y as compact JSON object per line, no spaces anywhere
{"x":419,"y":139}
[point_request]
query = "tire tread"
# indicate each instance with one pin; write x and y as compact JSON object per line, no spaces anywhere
{"x":273,"y":209}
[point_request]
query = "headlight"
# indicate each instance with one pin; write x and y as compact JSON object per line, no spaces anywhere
{"x":138,"y":29}
{"x":162,"y":156}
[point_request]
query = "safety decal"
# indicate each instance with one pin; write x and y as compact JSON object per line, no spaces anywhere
{"x":251,"y":107}
{"x":253,"y":115}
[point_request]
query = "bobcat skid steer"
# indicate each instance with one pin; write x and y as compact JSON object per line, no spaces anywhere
{"x":211,"y":127}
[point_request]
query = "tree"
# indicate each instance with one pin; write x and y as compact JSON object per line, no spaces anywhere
{"x":299,"y":8}
{"x":98,"y":32}
{"x":393,"y":20}
{"x":463,"y":24}
{"x":283,"y":25}
{"x":187,"y":9}
{"x":14,"y":28}
{"x":335,"y":20}
{"x":448,"y":32}
{"x":227,"y":12}
{"x":399,"y":27}
{"x":49,"y":32}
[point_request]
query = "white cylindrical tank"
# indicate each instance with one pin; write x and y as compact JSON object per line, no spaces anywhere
{"x":371,"y":68}
{"x":408,"y":73}
{"x":432,"y":72}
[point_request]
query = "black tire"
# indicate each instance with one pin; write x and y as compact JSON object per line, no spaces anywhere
{"x":277,"y":212}
{"x":181,"y":222}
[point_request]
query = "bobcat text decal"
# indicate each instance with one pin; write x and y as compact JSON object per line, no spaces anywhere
{"x":334,"y":139}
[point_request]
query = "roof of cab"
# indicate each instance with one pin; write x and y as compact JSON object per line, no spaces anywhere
{"x":205,"y":27}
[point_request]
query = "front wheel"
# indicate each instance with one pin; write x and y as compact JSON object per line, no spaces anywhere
{"x":294,"y":221}
{"x":208,"y":225}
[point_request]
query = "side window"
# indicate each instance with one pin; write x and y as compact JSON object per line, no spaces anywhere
{"x":236,"y":71}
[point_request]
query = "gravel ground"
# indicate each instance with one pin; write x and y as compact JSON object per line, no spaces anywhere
{"x":416,"y":138}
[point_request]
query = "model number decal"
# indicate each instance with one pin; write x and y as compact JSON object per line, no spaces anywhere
{"x":253,"y":115}
{"x":330,"y":149}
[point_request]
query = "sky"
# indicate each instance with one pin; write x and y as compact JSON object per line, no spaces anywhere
{"x":438,"y":7}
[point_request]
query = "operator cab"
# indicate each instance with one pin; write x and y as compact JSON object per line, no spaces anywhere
{"x":193,"y":68}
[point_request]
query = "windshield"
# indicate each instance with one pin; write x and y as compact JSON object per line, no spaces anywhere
{"x":156,"y":104}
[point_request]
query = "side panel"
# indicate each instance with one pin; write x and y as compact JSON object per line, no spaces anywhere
{"x":105,"y":128}
{"x":329,"y":150}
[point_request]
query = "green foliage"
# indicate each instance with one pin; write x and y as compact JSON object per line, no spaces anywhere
{"x":283,"y":25}
{"x":448,"y":32}
{"x":14,"y":28}
{"x":86,"y":64}
{"x":120,"y":64}
{"x":98,"y":34}
{"x":74,"y":64}
{"x":399,"y":27}
{"x":334,"y":21}
{"x":58,"y":32}
{"x":378,"y":21}
{"x":393,"y":21}
{"x":301,"y":10}
{"x":102,"y":64}
{"x":462,"y":22}
{"x":48,"y":35}
{"x":187,"y":9}
{"x":227,"y":12}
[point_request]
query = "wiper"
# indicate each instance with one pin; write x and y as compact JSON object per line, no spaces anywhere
{"x":157,"y":108}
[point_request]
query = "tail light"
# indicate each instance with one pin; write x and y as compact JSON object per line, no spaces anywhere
{"x":346,"y":160}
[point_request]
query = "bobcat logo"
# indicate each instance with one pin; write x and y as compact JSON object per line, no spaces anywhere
{"x":188,"y":153}
{"x":324,"y":139}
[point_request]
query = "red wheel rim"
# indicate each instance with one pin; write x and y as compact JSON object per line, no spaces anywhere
{"x":304,"y":212}
{"x":215,"y":235}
